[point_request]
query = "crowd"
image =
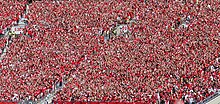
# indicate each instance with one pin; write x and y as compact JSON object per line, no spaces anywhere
{"x":10,"y":12}
{"x":167,"y":56}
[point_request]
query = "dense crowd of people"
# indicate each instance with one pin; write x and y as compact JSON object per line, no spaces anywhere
{"x":10,"y":12}
{"x":171,"y":53}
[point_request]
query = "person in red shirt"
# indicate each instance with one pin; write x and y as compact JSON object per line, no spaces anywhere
{"x":1,"y":32}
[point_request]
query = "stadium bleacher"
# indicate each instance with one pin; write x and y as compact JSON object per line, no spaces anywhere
{"x":170,"y":52}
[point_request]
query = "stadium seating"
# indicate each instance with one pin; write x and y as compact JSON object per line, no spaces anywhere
{"x":166,"y":57}
{"x":10,"y":12}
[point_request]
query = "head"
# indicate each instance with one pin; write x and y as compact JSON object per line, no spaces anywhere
{"x":178,"y":102}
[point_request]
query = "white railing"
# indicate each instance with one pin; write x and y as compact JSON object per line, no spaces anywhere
{"x":210,"y":98}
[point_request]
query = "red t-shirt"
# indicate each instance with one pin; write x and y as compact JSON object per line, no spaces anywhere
{"x":62,"y":69}
{"x":29,"y":33}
